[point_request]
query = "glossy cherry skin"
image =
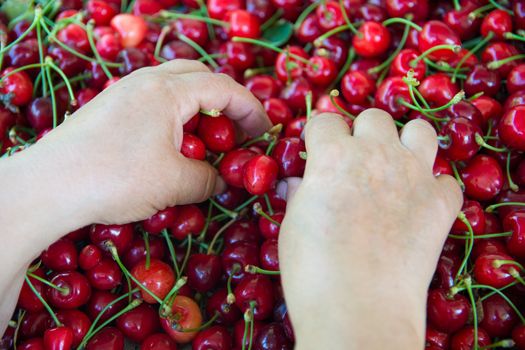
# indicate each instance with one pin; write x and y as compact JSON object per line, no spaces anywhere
{"x":131,"y":59}
{"x":329,"y":15}
{"x":213,"y":338}
{"x":489,"y":108}
{"x":158,"y":341}
{"x":481,"y":79}
{"x":219,"y":8}
{"x":27,"y":299}
{"x":373,"y":41}
{"x":120,"y":235}
{"x":106,"y":275}
{"x":464,"y":339}
{"x":511,"y":128}
{"x":217,"y":133}
{"x":61,"y":256}
{"x":437,"y":33}
{"x":446,"y":271}
{"x":321,"y":71}
{"x":333,"y":48}
{"x":295,"y":127}
{"x":177,"y":49}
{"x":242,"y":230}
{"x":232,"y":166}
{"x":101,"y":12}
{"x":269,"y":256}
{"x":39,"y":113}
{"x":401,"y":8}
{"x":185,"y":315}
{"x":34,"y":324}
{"x":77,"y":321}
{"x":287,"y":154}
{"x":518,"y":335}
{"x":356,"y":86}
{"x":441,"y":166}
{"x":138,"y":323}
{"x":137,"y":252}
{"x":160,"y":221}
{"x":498,"y":51}
{"x":132,"y":29}
{"x":438,"y":89}
{"x":497,"y":22}
{"x":32,"y":344}
{"x":77,"y":290}
{"x":486,"y":272}
{"x":256,"y":288}
{"x":515,"y":222}
{"x":402,"y":64}
{"x":309,"y":29}
{"x":294,"y":94}
{"x":284,"y":62}
{"x":158,"y":278}
{"x":189,"y":221}
{"x":488,"y":246}
{"x":239,"y":56}
{"x":272,"y":336}
{"x":278,"y":111}
{"x":23,"y":53}
{"x":260,"y":174}
{"x":447,"y":313}
{"x":461,"y":143}
{"x":18,"y":86}
{"x":436,"y":338}
{"x":108,"y":338}
{"x":238,"y":334}
{"x":59,"y":338}
{"x":483,"y":178}
{"x":217,"y":303}
{"x":388,"y":95}
{"x":75,"y":37}
{"x":243,"y":24}
{"x":461,"y":23}
{"x":100,"y":300}
{"x":236,"y":256}
{"x":475,"y":215}
{"x":263,"y":86}
{"x":516,"y":79}
{"x":89,"y":256}
{"x":498,"y":317}
{"x":203,"y":271}
{"x":269,"y":229}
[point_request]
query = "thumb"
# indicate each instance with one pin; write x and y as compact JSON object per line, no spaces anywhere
{"x":195,"y":181}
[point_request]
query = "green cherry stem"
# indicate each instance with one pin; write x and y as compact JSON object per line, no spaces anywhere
{"x":171,"y":249}
{"x":41,"y":57}
{"x":158,"y":45}
{"x":225,"y":211}
{"x":21,"y":315}
{"x":471,"y":52}
{"x":333,"y":94}
{"x":457,"y":176}
{"x":204,"y":9}
{"x":52,"y":94}
{"x":462,"y":217}
{"x":189,"y":242}
{"x":270,"y":46}
{"x":319,"y":40}
{"x":268,"y":204}
{"x":174,"y":15}
{"x":477,"y":13}
{"x":36,"y":19}
{"x":52,"y":65}
{"x":491,"y":208}
{"x":165,"y":306}
{"x":350,"y":58}
{"x":468,"y":285}
{"x":47,"y":283}
{"x":308,"y":99}
{"x":395,"y":20}
{"x":42,"y":300}
{"x":482,"y":143}
{"x":512,"y":185}
{"x":203,"y":326}
{"x":504,"y":343}
{"x":257,"y":270}
{"x":513,"y":36}
{"x":272,"y":20}
{"x":490,"y":235}
{"x":199,"y":49}
{"x":497,"y":64}
{"x":398,"y":49}
{"x":145,"y":238}
{"x":217,"y":235}
{"x":457,"y":5}
{"x":453,"y":48}
{"x":501,"y":7}
{"x":230,"y":298}
{"x":89,"y":31}
{"x":202,"y":235}
{"x":309,"y":9}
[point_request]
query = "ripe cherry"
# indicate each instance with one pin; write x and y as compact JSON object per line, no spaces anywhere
{"x":23,"y":53}
{"x":217,"y":133}
{"x":75,"y":37}
{"x":260,"y":174}
{"x":464,"y":339}
{"x":263,"y":86}
{"x":309,"y":29}
{"x":39,"y":113}
{"x":105,"y":275}
{"x":511,"y":128}
{"x":438,"y":89}
{"x":269,"y":256}
{"x":139,"y":323}
{"x":294,"y":94}
{"x":243,"y":24}
{"x":460,"y":139}
{"x":59,"y":338}
{"x":268,"y":228}
{"x":132,"y":29}
{"x":89,"y":256}
{"x":217,"y":303}
{"x":219,"y":8}
{"x":158,"y":341}
{"x":488,"y":107}
{"x":373,"y":39}
{"x":515,"y":222}
{"x":192,"y":147}
{"x":258,"y":289}
{"x":333,"y":48}
{"x":401,"y":8}
{"x":488,"y":270}
{"x":403,"y":63}
{"x":17,"y":88}
{"x":242,"y":230}
{"x":481,"y":79}
{"x":288,"y":67}
{"x":239,"y":56}
{"x":61,"y":256}
{"x":158,"y":278}
{"x":483,"y":178}
{"x":460,"y":21}
{"x":119,"y":235}
{"x":138,"y":252}
{"x":160,"y":221}
{"x":272,"y":336}
{"x":447,"y":313}
{"x":278,"y":111}
{"x":189,"y":221}
{"x":232,"y":166}
{"x":203,"y":271}
{"x":389,"y":94}
{"x":518,"y":335}
{"x":31,"y":344}
{"x":131,"y":59}
{"x":437,"y":33}
{"x":185,"y":314}
{"x":34,"y":324}
{"x":497,"y":22}
{"x":237,"y":256}
{"x":441,"y":166}
{"x":498,"y":317}
{"x":77,"y":321}
{"x":27,"y":299}
{"x":474,"y":214}
{"x":287,"y":154}
{"x":215,"y":337}
{"x":101,"y":12}
{"x":329,"y":15}
{"x":101,"y":300}
{"x":356,"y":86}
{"x":498,"y":51}
{"x":239,"y":334}
{"x":109,"y":338}
{"x":321,"y":71}
{"x":74,"y":290}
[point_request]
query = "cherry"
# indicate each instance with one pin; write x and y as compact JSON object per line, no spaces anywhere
{"x":483,"y":178}
{"x":89,"y":256}
{"x":8,"y":119}
{"x":119,"y":235}
{"x":481,"y":79}
{"x":239,"y":56}
{"x":99,"y":301}
{"x":27,"y":299}
{"x":232,"y":166}
{"x":511,"y":128}
{"x":217,"y":133}
{"x":109,"y":338}
{"x":39,"y":113}
{"x":100,"y":11}
{"x":294,"y":94}
{"x":488,"y":246}
{"x":460,"y":143}
{"x":263,"y":86}
{"x":189,"y":221}
{"x":516,"y":99}
{"x":77,"y":321}
{"x":32,"y":344}
{"x":24,"y":53}
{"x":137,"y":251}
{"x":158,"y":341}
{"x":108,"y":46}
{"x":388,"y":95}
{"x":487,"y":272}
{"x":446,"y":271}
{"x":272,"y":336}
{"x":61,"y":256}
{"x":239,"y":337}
{"x":219,"y":8}
{"x":518,"y":335}
{"x":160,"y":221}
{"x":329,"y":15}
{"x":260,"y":174}
{"x":75,"y":290}
{"x":158,"y":278}
{"x":269,"y":256}
{"x":510,"y":196}
{"x":185,"y":315}
{"x":278,"y":111}
{"x":356,"y":86}
{"x":17,"y":87}
{"x":438,"y":89}
{"x":243,"y":24}
{"x":436,"y":33}
{"x":309,"y":29}
{"x":237,"y":256}
{"x":402,"y":8}
{"x":321,"y":71}
{"x":34,"y":324}
{"x":59,"y":338}
{"x":139,"y":323}
{"x":497,"y":22}
{"x":492,"y":223}
{"x":83,"y":96}
{"x":498,"y":317}
{"x":488,"y":107}
{"x":289,"y":67}
{"x":106,"y":275}
{"x":132,"y":29}
{"x":75,"y":37}
{"x":474,"y":214}
{"x":518,"y":9}
{"x":242,"y":230}
{"x":258,"y":289}
{"x":515,"y":222}
{"x":373,"y":39}
{"x":333,"y":48}
{"x":268,"y":228}
{"x":460,"y":21}
{"x":146,"y":7}
{"x":287,"y":154}
{"x":295,"y":127}
{"x":193,"y":147}
{"x":447,"y":313}
{"x":441,"y":166}
{"x":203,"y":271}
{"x":217,"y":303}
{"x":402,"y":64}
{"x":70,"y":64}
{"x":215,"y":337}
{"x":231,"y":198}
{"x":516,"y":79}
{"x":464,"y":339}
{"x":262,"y":9}
{"x":372,"y":12}
{"x":498,"y":51}
{"x":131,"y":59}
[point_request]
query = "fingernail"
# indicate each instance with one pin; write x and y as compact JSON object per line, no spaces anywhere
{"x":220,"y":186}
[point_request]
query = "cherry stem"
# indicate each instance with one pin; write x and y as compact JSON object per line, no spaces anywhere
{"x":271,"y":21}
{"x":257,"y":207}
{"x":20,"y":318}
{"x":247,"y":203}
{"x":481,"y":142}
{"x":490,"y":235}
{"x":500,"y":293}
{"x":171,"y":249}
{"x":453,"y":48}
{"x":457,"y":5}
{"x":165,"y":306}
{"x":255,"y":269}
{"x":475,"y":96}
{"x":491,"y":208}
{"x":89,"y":31}
{"x":248,"y":320}
{"x":158,"y":45}
{"x":468,"y":285}
{"x":477,"y":12}
{"x":268,"y":203}
{"x":145,"y":237}
{"x":204,"y":9}
{"x":350,"y":58}
{"x":457,"y":98}
{"x":42,"y":300}
{"x":189,"y":242}
{"x":52,"y":65}
{"x":471,"y":52}
{"x":512,"y":185}
{"x":230,"y":299}
{"x":52,"y":94}
{"x":501,"y":7}
{"x":497,"y":64}
{"x":175,"y":15}
{"x":333,"y":94}
{"x":214,"y":112}
{"x":225,"y":211}
{"x":308,"y":99}
{"x":36,"y":19}
{"x":395,"y":20}
{"x":512,"y":36}
{"x":47,"y":283}
{"x":346,"y":18}
{"x":218,"y":234}
{"x":411,"y":83}
{"x":462,"y":217}
{"x":199,"y":49}
{"x":238,"y":39}
{"x":309,"y":9}
{"x":505,"y":343}
{"x":319,"y":40}
{"x":250,"y":72}
{"x":456,"y":175}
{"x":202,"y":235}
{"x":41,"y":56}
{"x":398,"y":49}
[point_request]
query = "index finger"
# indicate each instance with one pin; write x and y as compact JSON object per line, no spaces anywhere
{"x":220,"y":92}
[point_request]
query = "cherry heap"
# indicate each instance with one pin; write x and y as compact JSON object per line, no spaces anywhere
{"x":208,"y":274}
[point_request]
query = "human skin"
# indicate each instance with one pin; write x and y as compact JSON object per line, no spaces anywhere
{"x":369,"y":220}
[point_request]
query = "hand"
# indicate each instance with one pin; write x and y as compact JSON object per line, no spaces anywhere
{"x":363,"y":232}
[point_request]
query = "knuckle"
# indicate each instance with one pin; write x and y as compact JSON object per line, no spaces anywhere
{"x":373,"y":113}
{"x":422,"y":126}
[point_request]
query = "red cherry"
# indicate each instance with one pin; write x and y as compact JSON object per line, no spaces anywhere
{"x":75,"y":37}
{"x":329,"y":15}
{"x":401,"y":8}
{"x":242,"y":230}
{"x":193,"y":147}
{"x":309,"y":29}
{"x":100,"y":301}
{"x":516,"y":79}
{"x":437,"y":33}
{"x":260,"y":174}
{"x":101,"y":12}
{"x":203,"y":271}
{"x":131,"y":59}
{"x":219,"y":8}
{"x":272,"y":336}
{"x":356,"y":86}
{"x":268,"y":228}
{"x":59,"y":338}
{"x":146,"y":7}
{"x":132,"y":29}
{"x":139,"y":323}
{"x":460,"y":21}
{"x":488,"y":107}
{"x":258,"y":289}
{"x":190,"y":221}
{"x":278,"y":111}
{"x":34,"y":324}
{"x":106,"y":275}
{"x":75,"y":290}
{"x":511,"y":128}
{"x":215,"y":337}
{"x":474,"y":214}
{"x":27,"y":299}
{"x":373,"y":40}
{"x":321,"y":71}
{"x":17,"y":87}
{"x":515,"y":222}
{"x":461,"y":139}
{"x":238,"y":334}
{"x":178,"y":49}
{"x":23,"y":53}
{"x":158,"y":341}
{"x":481,"y":79}
{"x":243,"y":24}
{"x":239,"y":56}
{"x":138,"y":252}
{"x":61,"y":256}
{"x":441,"y":166}
{"x":269,"y":255}
{"x":77,"y":321}
{"x":120,"y":235}
{"x":483,"y":178}
{"x":388,"y":95}
{"x":89,"y":256}
{"x":217,"y":133}
{"x":402,"y":64}
{"x":498,"y":51}
{"x":287,"y":154}
{"x":446,"y":271}
{"x":31,"y":344}
{"x":237,"y":256}
{"x":262,"y":9}
{"x":160,"y":221}
{"x":217,"y":303}
{"x":488,"y":246}
{"x":108,"y":338}
{"x":263,"y":86}
{"x":518,"y":335}
{"x":185,"y":315}
{"x":83,"y":96}
{"x":487,"y":272}
{"x":288,"y":67}
{"x":232,"y":166}
{"x":464,"y":339}
{"x":438,"y":89}
{"x":158,"y":278}
{"x":497,"y":22}
{"x":295,"y":127}
{"x":435,"y":338}
{"x":333,"y":48}
{"x":447,"y":313}
{"x":39,"y":113}
{"x":294,"y":94}
{"x":498,"y":317}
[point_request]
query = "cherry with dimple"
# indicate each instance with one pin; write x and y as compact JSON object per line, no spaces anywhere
{"x":77,"y":321}
{"x":74,"y":292}
{"x":58,"y":338}
{"x":203,"y":271}
{"x":237,"y":256}
{"x":119,"y":235}
{"x":447,"y":313}
{"x":488,"y":271}
{"x":460,"y":139}
{"x":258,"y":289}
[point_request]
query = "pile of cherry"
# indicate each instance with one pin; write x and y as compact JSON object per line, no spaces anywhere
{"x":208,"y":274}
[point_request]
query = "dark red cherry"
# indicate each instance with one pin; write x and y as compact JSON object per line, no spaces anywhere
{"x":101,"y":300}
{"x":498,"y":317}
{"x":287,"y":67}
{"x":441,"y":166}
{"x":446,"y":271}
{"x":402,"y":64}
{"x":77,"y":321}
{"x":31,"y":344}
{"x":474,"y":214}
{"x":243,"y":24}
{"x":106,"y":275}
{"x":61,"y":256}
{"x":488,"y":270}
{"x":516,"y":79}
{"x":58,"y":338}
{"x":24,"y":53}
{"x":447,"y":313}
{"x":515,"y":222}
{"x":481,"y":79}
{"x":498,"y":51}
{"x":373,"y":40}
{"x":488,"y":246}
{"x":511,"y":128}
{"x":120,"y":235}
{"x":389,"y":94}
{"x":89,"y":256}
{"x":278,"y":111}
{"x":217,"y":133}
{"x":75,"y":290}
{"x":217,"y":303}
{"x":272,"y":336}
{"x":401,"y":8}
{"x":260,"y":8}
{"x":34,"y":324}
{"x":464,"y":339}
{"x":203,"y":271}
{"x":287,"y":154}
{"x":27,"y":299}
{"x":518,"y":335}
{"x":295,"y":127}
{"x":238,"y":334}
{"x":108,"y":338}
{"x":192,"y":147}
{"x":333,"y":48}
{"x":257,"y":289}
{"x":75,"y":37}
{"x":158,"y":341}
{"x":460,"y":21}
{"x":39,"y":113}
{"x":139,"y":323}
{"x":131,"y":59}
{"x":309,"y":29}
{"x":239,"y":56}
{"x":190,"y":220}
{"x":218,"y":8}
{"x":497,"y":22}
{"x":236,"y":256}
{"x":357,"y":86}
{"x":213,"y":338}
{"x":263,"y":86}
{"x":483,"y":178}
{"x":177,"y":49}
{"x":232,"y":166}
{"x":329,"y":15}
{"x":460,"y":143}
{"x":269,"y":255}
{"x":160,"y":221}
{"x":231,"y":198}
{"x":518,"y":9}
{"x":70,"y":64}
{"x":260,"y":174}
{"x":137,"y":250}
{"x":294,"y":94}
{"x":437,"y":33}
{"x":242,"y":230}
{"x":17,"y":87}
{"x":268,"y":228}
{"x":435,"y":338}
